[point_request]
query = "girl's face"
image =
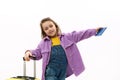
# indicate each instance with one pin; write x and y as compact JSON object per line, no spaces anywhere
{"x":49,"y":28}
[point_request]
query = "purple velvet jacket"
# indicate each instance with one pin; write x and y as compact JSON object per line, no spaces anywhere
{"x":68,"y":42}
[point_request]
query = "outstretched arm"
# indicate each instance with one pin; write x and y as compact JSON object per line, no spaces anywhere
{"x":81,"y":35}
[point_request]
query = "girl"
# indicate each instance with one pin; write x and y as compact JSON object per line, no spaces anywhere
{"x":61,"y":57}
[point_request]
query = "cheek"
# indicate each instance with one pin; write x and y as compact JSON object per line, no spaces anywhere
{"x":46,"y":32}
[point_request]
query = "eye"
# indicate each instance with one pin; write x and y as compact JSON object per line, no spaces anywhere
{"x":46,"y":28}
{"x":50,"y":25}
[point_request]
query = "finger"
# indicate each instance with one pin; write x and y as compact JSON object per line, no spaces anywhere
{"x":30,"y":55}
{"x":26,"y":58}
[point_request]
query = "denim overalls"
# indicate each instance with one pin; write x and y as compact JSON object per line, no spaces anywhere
{"x":56,"y":69}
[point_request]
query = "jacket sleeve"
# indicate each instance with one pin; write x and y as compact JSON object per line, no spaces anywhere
{"x":37,"y":52}
{"x":80,"y":35}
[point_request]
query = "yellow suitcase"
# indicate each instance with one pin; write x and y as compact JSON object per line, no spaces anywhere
{"x":24,"y":77}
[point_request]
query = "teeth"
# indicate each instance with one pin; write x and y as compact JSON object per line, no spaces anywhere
{"x":50,"y":31}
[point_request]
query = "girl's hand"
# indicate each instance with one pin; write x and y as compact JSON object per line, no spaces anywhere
{"x":98,"y":29}
{"x":27,"y":55}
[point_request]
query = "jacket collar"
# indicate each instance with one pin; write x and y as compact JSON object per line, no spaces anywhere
{"x":47,"y":38}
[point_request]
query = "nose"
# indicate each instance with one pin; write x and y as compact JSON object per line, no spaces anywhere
{"x":50,"y":29}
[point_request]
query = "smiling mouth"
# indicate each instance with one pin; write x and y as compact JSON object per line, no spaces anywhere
{"x":51,"y":32}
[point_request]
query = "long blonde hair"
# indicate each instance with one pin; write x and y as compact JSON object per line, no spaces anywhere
{"x":43,"y":34}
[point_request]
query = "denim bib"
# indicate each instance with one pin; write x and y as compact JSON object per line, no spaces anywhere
{"x":56,"y":69}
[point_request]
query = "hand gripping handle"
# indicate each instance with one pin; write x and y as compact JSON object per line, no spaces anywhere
{"x":24,"y":66}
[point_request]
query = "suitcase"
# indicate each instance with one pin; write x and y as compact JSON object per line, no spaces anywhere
{"x":24,"y":77}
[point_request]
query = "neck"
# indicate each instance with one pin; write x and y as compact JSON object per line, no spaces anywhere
{"x":53,"y":36}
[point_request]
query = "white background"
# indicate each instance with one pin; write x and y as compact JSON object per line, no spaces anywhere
{"x":20,"y":30}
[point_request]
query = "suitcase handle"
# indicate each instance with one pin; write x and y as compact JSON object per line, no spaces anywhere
{"x":32,"y":57}
{"x":24,"y":66}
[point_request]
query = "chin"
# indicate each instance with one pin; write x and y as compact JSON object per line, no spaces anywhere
{"x":52,"y":35}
